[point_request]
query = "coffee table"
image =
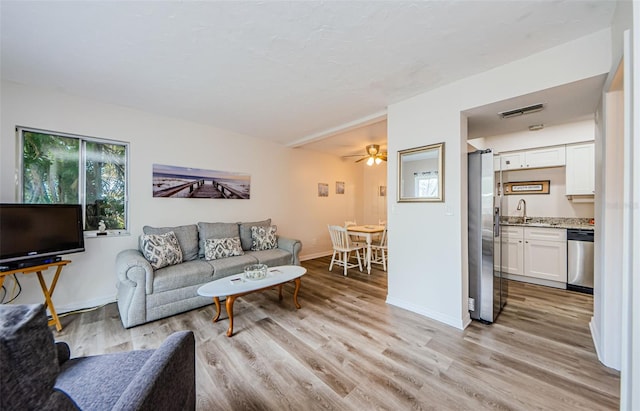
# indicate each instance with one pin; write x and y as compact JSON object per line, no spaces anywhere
{"x":235,"y":286}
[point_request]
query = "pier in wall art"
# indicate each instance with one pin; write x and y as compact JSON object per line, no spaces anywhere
{"x":185,"y":182}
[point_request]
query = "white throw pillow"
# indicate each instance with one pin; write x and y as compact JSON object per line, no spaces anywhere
{"x":263,"y":238}
{"x":215,"y":248}
{"x":161,"y":250}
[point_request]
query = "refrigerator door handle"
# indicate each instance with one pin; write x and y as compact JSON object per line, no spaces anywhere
{"x":496,"y":222}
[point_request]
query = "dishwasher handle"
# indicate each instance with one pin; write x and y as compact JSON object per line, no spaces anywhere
{"x":580,"y":235}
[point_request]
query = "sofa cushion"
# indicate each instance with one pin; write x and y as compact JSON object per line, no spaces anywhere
{"x":215,"y":230}
{"x":272,"y":257}
{"x":263,"y":238}
{"x":215,"y":248}
{"x":187,"y":236}
{"x":161,"y":250}
{"x":245,"y":232}
{"x":28,"y":357}
{"x":182,"y":275}
{"x":230,"y":265}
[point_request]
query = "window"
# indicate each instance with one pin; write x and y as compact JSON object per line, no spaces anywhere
{"x":61,"y":168}
{"x":426,"y":184}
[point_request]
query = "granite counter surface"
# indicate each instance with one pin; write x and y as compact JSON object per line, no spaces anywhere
{"x":550,"y":222}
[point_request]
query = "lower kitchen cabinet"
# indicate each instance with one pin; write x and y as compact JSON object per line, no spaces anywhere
{"x":512,"y":250}
{"x":536,"y":253}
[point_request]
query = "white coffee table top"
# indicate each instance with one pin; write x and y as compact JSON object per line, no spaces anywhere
{"x":275,"y":275}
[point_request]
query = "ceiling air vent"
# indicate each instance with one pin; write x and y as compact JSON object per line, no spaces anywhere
{"x":521,"y":111}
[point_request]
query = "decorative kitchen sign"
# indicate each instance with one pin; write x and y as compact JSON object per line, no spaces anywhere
{"x":526,"y":187}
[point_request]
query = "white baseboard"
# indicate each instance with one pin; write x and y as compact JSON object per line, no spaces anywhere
{"x":533,"y":280}
{"x":595,"y":337}
{"x":434,"y":315}
{"x":315,"y":255}
{"x":96,"y":302}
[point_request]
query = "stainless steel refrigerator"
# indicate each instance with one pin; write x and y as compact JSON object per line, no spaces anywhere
{"x":487,"y":289}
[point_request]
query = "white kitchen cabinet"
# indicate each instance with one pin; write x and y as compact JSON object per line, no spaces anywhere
{"x":545,"y":157}
{"x":512,"y":161}
{"x":534,"y":252}
{"x":512,"y":249}
{"x":539,"y":158}
{"x":580,"y":170}
{"x":545,"y":253}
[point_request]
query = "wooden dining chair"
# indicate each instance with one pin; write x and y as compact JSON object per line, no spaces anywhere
{"x":379,"y":250}
{"x":342,"y":249}
{"x":355,"y":240}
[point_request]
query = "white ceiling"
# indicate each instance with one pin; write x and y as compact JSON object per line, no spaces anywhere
{"x":288,"y":71}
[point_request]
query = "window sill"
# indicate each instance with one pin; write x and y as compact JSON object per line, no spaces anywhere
{"x":108,"y":233}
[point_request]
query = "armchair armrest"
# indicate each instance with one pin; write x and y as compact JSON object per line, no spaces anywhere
{"x":291,"y":245}
{"x":63,"y":352}
{"x":167,"y":380}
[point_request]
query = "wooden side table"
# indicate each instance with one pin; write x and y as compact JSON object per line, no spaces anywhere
{"x":47,"y":291}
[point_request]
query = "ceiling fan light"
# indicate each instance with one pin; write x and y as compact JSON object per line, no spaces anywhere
{"x":370,"y":161}
{"x":378,"y":160}
{"x":373,"y":149}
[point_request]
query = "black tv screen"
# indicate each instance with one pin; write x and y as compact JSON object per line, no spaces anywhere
{"x":35,"y":231}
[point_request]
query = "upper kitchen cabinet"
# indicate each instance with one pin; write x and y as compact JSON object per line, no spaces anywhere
{"x":543,"y":157}
{"x":580,"y":170}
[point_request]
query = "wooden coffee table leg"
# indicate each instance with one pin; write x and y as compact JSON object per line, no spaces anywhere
{"x":295,"y":292}
{"x":229,"y":304}
{"x":280,"y":292}
{"x":217,"y":301}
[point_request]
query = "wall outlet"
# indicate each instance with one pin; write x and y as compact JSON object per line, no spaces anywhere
{"x":472,"y":304}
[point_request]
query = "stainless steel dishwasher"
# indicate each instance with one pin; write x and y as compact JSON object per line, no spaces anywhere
{"x":580,"y":260}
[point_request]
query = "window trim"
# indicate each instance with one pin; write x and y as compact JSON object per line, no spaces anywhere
{"x":83,"y":172}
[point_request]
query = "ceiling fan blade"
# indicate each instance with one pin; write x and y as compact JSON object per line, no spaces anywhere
{"x":383,"y":157}
{"x":362,"y":159}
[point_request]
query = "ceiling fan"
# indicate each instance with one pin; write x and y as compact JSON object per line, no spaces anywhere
{"x":374,"y":155}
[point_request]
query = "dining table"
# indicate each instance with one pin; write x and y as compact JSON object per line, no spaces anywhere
{"x":367,"y":232}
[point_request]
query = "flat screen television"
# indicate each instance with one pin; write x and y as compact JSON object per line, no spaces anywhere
{"x":37,"y":233}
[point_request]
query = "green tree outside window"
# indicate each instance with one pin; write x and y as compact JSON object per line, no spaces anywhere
{"x":63,"y":169}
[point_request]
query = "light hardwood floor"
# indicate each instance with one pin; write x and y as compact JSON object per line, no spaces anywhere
{"x":346,"y":349}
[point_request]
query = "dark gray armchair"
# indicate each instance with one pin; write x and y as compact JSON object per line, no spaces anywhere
{"x":38,"y":374}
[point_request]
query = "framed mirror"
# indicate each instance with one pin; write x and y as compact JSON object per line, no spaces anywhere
{"x":421,"y":174}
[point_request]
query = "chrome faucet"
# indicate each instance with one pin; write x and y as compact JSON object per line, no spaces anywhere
{"x":522,"y":203}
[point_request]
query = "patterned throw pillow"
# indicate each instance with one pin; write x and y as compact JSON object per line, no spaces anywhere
{"x":161,"y":250}
{"x":215,"y":248}
{"x":263,"y":238}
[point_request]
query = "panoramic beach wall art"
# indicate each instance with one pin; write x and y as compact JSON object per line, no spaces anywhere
{"x":186,"y":182}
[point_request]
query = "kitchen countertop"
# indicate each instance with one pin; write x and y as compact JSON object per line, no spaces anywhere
{"x":549,"y":222}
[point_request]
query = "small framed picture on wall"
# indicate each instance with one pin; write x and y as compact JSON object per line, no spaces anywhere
{"x":323,"y":190}
{"x":339,"y":187}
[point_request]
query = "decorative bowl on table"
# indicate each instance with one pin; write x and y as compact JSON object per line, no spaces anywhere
{"x":255,"y":272}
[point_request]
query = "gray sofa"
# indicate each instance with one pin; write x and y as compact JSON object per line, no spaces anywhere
{"x":145,"y":294}
{"x":38,"y":374}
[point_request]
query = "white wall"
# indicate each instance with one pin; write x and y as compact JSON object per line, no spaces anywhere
{"x":375,"y":206}
{"x":428,"y":273}
{"x":283,"y":182}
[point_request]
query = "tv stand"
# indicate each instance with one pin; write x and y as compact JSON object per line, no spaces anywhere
{"x":46,"y":291}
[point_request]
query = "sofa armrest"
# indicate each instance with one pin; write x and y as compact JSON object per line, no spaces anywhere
{"x":133,"y":269}
{"x":291,"y":245}
{"x":135,"y":282}
{"x":167,"y":380}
